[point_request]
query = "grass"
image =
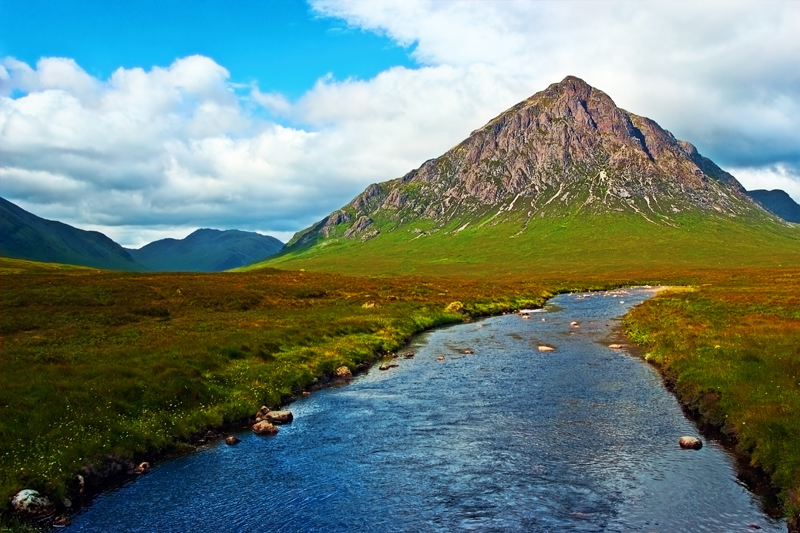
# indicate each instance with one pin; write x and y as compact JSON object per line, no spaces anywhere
{"x":607,"y":244}
{"x":97,"y":364}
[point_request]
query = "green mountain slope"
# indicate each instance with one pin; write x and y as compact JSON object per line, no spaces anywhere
{"x":23,"y":235}
{"x":207,"y":250}
{"x":565,"y":179}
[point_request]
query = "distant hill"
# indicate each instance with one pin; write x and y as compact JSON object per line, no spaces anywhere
{"x":778,"y":202}
{"x":23,"y":235}
{"x":207,"y":250}
{"x":564,"y":179}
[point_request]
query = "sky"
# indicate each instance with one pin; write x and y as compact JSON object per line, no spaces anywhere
{"x":149,"y":119}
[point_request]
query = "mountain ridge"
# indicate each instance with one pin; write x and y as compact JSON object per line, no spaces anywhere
{"x":777,"y":202}
{"x":24,"y":235}
{"x":567,"y":151}
{"x":207,"y":250}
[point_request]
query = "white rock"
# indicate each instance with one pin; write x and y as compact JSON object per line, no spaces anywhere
{"x":30,"y":503}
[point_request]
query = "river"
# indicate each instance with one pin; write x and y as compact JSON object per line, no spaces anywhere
{"x":508,"y":438}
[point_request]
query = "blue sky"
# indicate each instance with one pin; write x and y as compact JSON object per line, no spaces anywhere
{"x":281,"y":44}
{"x":149,"y":119}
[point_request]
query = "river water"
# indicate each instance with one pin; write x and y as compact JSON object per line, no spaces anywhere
{"x":582,"y":438}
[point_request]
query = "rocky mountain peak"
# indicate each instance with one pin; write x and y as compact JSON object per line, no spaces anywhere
{"x":567,"y":150}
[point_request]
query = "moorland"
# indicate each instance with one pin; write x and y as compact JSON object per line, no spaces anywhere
{"x":99,"y":365}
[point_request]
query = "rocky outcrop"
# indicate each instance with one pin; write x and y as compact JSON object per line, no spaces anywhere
{"x":334,"y":219}
{"x":361,"y":228}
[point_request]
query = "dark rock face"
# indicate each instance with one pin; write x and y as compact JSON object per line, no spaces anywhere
{"x":567,"y":149}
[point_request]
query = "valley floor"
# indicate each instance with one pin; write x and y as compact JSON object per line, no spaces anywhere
{"x":102,"y":366}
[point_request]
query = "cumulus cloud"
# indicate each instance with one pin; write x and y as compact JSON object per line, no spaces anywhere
{"x":170,"y":147}
{"x":152,"y":153}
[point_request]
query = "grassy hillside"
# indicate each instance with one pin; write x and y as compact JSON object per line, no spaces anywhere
{"x":26,"y":236}
{"x":600,"y":243}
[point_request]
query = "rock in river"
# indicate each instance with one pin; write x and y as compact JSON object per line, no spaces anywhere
{"x":279,"y":417}
{"x":231,"y":440}
{"x":264,"y":428}
{"x":543,"y":348}
{"x":690,"y":443}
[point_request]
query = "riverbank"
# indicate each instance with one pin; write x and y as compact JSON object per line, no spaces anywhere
{"x":102,"y":369}
{"x":728,"y":349}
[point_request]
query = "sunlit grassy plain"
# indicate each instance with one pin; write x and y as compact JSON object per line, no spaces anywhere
{"x":97,"y":363}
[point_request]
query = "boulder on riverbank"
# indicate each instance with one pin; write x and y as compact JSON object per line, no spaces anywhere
{"x":343,"y":373}
{"x":30,"y":503}
{"x":262,"y":413}
{"x":264,"y":428}
{"x":690,"y":443}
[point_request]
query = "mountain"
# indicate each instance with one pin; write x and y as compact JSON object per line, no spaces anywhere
{"x":777,"y":202}
{"x":564,"y":177}
{"x":23,"y":235}
{"x":207,"y":250}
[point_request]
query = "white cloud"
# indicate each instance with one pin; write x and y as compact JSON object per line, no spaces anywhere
{"x":170,"y":149}
{"x":769,"y":178}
